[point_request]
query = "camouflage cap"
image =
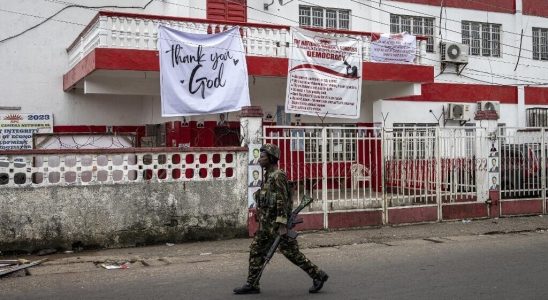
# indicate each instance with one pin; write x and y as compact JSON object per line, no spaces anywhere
{"x":271,"y":149}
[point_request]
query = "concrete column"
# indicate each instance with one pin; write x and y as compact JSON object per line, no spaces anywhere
{"x":487,"y":149}
{"x":251,"y":125}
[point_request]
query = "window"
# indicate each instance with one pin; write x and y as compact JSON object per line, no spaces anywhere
{"x":330,"y":18}
{"x":414,"y":140}
{"x":483,"y":38}
{"x":341,"y":143}
{"x":415,"y":25}
{"x":540,"y":43}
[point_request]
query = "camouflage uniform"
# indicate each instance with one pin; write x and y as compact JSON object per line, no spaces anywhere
{"x":274,"y":208}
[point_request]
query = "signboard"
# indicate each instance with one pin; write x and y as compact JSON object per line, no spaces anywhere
{"x":202,"y":73}
{"x":16,"y":130}
{"x":324,"y":75}
{"x":398,"y":48}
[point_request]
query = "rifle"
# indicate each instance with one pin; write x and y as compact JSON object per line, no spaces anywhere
{"x":291,"y":223}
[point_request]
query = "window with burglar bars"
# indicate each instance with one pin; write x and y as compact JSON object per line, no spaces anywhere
{"x":414,"y":141}
{"x":330,"y":18}
{"x":341,"y":145}
{"x":415,"y":25}
{"x":483,"y":38}
{"x":540,"y":43}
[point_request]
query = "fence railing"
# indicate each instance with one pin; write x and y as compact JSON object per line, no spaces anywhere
{"x":136,"y":31}
{"x":40,"y":168}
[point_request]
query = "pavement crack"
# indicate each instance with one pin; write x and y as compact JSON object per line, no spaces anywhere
{"x":434,"y":241}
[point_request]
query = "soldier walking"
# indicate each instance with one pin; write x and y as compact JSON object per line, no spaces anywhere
{"x":274,"y":208}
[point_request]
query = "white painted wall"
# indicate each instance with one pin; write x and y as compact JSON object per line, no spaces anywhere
{"x":33,"y":64}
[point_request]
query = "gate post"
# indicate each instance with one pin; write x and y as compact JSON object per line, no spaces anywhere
{"x":324,"y":178}
{"x":543,"y":169}
{"x":383,"y":180}
{"x":438,"y":170}
{"x":251,"y":125}
{"x":487,"y":191}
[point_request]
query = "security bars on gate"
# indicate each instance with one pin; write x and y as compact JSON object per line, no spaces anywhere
{"x":338,"y":166}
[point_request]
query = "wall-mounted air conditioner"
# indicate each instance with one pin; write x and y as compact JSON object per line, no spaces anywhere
{"x":454,"y":53}
{"x":458,"y":112}
{"x":489,"y":106}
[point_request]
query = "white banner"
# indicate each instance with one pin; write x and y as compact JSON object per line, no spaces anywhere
{"x":401,"y":47}
{"x":17,"y":130}
{"x":202,"y":73}
{"x":324,"y":75}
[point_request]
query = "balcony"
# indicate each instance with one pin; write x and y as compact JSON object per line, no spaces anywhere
{"x":126,"y":42}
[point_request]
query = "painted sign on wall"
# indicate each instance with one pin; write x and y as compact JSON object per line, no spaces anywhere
{"x":17,"y":130}
{"x":324,"y":75}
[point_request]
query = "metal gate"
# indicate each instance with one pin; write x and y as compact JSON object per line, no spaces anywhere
{"x":379,"y":169}
{"x":340,"y":167}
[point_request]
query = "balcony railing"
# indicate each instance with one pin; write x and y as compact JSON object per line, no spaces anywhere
{"x":138,"y":31}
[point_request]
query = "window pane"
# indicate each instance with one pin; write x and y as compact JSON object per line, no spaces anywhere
{"x":495,"y":40}
{"x":331,"y":18}
{"x":429,"y":31}
{"x":536,"y":43}
{"x":475,"y":35}
{"x":317,"y":17}
{"x":417,"y":26}
{"x":466,"y":33}
{"x":394,"y":24}
{"x":405,"y":24}
{"x":544,"y":44}
{"x":485,"y":40}
{"x":344,"y":19}
{"x":304,"y":16}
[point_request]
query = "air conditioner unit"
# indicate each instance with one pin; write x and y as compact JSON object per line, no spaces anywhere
{"x":454,"y":53}
{"x":489,"y":106}
{"x":458,"y":112}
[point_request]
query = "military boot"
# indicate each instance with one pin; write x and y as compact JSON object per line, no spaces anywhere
{"x":247,"y":289}
{"x":317,"y":283}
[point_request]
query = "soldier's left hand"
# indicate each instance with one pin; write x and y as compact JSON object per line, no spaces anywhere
{"x":282,"y":229}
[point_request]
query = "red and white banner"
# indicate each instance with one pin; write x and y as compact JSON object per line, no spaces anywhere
{"x":398,"y":48}
{"x":324,"y":75}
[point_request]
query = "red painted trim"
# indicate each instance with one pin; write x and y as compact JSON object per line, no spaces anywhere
{"x":311,"y":222}
{"x":397,"y":72}
{"x":61,"y":129}
{"x":412,"y":215}
{"x":521,"y":207}
{"x":147,"y":60}
{"x":502,"y":6}
{"x":536,"y":95}
{"x":537,"y":8}
{"x":124,"y":59}
{"x":124,"y":150}
{"x":454,"y":92}
{"x":82,"y":69}
{"x":354,"y":219}
{"x":464,"y":211}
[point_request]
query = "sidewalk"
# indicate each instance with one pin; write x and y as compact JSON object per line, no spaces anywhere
{"x":200,"y":251}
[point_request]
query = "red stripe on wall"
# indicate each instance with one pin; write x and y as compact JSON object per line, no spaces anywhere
{"x":536,"y":95}
{"x":502,"y":6}
{"x":535,"y":8}
{"x":450,"y":92}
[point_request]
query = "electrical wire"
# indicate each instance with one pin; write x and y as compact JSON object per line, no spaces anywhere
{"x":67,"y":7}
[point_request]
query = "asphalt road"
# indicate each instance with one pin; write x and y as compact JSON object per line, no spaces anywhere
{"x":506,"y":266}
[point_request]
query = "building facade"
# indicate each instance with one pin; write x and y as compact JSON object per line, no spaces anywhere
{"x":95,"y":68}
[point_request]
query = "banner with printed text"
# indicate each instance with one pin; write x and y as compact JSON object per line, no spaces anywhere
{"x":397,"y":48}
{"x":17,"y":130}
{"x":202,"y":73}
{"x":324,"y":75}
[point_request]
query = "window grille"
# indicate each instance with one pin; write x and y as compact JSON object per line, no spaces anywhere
{"x":414,"y":25}
{"x":330,"y":18}
{"x":483,"y":38}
